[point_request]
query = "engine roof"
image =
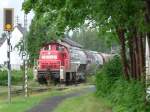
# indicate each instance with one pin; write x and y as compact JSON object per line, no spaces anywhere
{"x":65,"y":42}
{"x":71,"y":42}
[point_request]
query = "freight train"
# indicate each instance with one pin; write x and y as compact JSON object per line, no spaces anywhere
{"x":65,"y":61}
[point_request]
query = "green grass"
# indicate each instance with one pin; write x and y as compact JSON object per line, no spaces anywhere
{"x":20,"y":104}
{"x":86,"y":103}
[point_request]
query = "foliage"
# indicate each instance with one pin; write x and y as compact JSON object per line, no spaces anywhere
{"x":73,"y":13}
{"x":125,"y":96}
{"x":113,"y":68}
{"x":128,"y":96}
{"x":124,"y":18}
{"x":17,"y":77}
{"x":90,"y":79}
{"x":39,"y":35}
{"x":93,"y":39}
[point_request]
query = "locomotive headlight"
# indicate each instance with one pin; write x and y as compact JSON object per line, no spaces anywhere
{"x":39,"y":66}
{"x":43,"y":57}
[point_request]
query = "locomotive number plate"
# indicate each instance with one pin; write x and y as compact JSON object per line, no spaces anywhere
{"x":49,"y":57}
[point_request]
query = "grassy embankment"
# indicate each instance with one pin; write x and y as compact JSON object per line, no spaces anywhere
{"x":112,"y":91}
{"x":20,"y":104}
{"x":86,"y":103}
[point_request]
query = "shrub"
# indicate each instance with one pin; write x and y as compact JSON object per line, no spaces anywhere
{"x":125,"y":96}
{"x":17,"y":76}
{"x":113,"y":68}
{"x":107,"y":75}
{"x":102,"y":84}
{"x":90,"y":79}
{"x":3,"y":77}
{"x":128,"y":95}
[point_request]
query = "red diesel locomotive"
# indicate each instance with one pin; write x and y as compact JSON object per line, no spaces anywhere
{"x":65,"y":61}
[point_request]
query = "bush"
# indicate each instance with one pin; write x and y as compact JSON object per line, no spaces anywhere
{"x":128,"y":96}
{"x":108,"y":75}
{"x":125,"y":96}
{"x":17,"y":77}
{"x":113,"y":68}
{"x":90,"y":79}
{"x":3,"y":77}
{"x":102,"y":84}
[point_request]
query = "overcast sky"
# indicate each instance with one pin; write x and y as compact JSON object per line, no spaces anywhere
{"x":17,"y":5}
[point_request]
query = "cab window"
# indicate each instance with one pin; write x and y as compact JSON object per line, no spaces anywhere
{"x":47,"y":48}
{"x":59,"y":48}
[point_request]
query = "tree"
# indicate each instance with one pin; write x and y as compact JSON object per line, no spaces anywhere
{"x":36,"y":38}
{"x":93,"y":39}
{"x":125,"y":18}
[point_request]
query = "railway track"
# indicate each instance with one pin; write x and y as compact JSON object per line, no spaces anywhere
{"x":18,"y":90}
{"x":31,"y":90}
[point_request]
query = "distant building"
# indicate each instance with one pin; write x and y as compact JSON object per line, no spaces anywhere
{"x":16,"y":60}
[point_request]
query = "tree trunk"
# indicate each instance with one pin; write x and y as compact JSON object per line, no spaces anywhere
{"x":138,"y":58}
{"x":121,"y":35}
{"x":135,"y":56}
{"x":132,"y":62}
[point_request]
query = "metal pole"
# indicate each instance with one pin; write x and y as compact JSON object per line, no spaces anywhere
{"x":26,"y":79}
{"x":25,"y":58}
{"x":25,"y":70}
{"x":9,"y":68}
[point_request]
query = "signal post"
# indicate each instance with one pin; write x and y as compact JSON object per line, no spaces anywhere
{"x":8,"y":27}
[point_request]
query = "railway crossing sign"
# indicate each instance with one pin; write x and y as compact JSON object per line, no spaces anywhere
{"x":8,"y":19}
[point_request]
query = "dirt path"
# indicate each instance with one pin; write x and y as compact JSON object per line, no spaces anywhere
{"x":50,"y":104}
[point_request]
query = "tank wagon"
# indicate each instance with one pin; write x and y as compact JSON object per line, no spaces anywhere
{"x":65,"y":61}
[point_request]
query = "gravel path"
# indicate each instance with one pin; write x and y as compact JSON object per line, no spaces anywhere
{"x":49,"y":104}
